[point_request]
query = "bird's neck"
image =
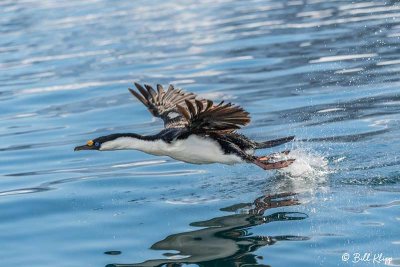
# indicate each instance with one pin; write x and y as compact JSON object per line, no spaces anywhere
{"x":129,"y":141}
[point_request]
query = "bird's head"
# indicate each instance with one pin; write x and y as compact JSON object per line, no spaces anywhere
{"x":114,"y":142}
{"x":90,"y":145}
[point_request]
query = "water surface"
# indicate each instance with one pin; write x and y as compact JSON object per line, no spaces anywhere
{"x":325,"y":71}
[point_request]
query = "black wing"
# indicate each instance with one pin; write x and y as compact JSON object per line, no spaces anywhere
{"x":163,"y":104}
{"x":207,"y":118}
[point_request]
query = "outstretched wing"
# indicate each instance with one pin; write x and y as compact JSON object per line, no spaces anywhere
{"x":207,"y":117}
{"x":163,"y":104}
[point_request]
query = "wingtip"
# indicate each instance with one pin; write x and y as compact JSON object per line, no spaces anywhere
{"x":171,"y":87}
{"x":138,"y":96}
{"x":160,"y":88}
{"x":148,"y":86}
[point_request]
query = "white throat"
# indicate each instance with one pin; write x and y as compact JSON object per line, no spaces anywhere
{"x":151,"y":147}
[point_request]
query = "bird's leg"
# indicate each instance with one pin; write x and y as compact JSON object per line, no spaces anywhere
{"x":274,"y":155}
{"x":231,"y":147}
{"x":272,"y":165}
{"x":265,"y":163}
{"x":264,"y":158}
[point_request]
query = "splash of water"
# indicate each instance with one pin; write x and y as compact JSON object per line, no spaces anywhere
{"x":308,"y":173}
{"x":308,"y":164}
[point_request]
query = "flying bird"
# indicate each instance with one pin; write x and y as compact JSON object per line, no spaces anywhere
{"x":195,"y":131}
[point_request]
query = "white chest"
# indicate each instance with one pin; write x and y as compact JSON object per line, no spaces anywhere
{"x":199,"y":150}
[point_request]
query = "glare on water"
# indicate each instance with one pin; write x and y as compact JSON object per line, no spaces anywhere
{"x":324,"y":71}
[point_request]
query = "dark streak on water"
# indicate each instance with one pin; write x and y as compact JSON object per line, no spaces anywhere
{"x":325,"y":71}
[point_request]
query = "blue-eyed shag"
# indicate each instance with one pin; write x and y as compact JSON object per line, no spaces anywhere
{"x":196,"y":131}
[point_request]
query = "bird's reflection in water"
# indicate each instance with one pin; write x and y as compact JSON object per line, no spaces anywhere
{"x":225,"y":241}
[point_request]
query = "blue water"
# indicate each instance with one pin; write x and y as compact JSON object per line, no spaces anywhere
{"x":325,"y":71}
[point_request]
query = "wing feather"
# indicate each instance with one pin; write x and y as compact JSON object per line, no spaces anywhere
{"x":214,"y":118}
{"x":199,"y":105}
{"x":168,"y":93}
{"x":164,"y":104}
{"x":142,"y":90}
{"x":138,"y":96}
{"x":152,"y":93}
{"x":178,"y":108}
{"x":160,"y":93}
{"x":191,"y":108}
{"x":184,"y":112}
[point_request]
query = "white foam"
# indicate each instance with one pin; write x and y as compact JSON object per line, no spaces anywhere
{"x":178,"y":257}
{"x":308,"y":173}
{"x":342,"y":57}
{"x":330,"y":110}
{"x":307,"y":164}
{"x":191,"y":201}
{"x":344,"y":71}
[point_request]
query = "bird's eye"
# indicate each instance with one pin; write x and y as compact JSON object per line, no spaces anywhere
{"x":97,"y":144}
{"x":90,"y":143}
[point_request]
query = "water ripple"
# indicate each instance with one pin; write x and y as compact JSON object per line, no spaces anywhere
{"x":323,"y":70}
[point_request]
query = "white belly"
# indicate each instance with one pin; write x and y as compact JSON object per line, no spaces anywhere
{"x":194,"y":149}
{"x":198,"y":150}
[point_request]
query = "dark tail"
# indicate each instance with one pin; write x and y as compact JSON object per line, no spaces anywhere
{"x":276,"y":142}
